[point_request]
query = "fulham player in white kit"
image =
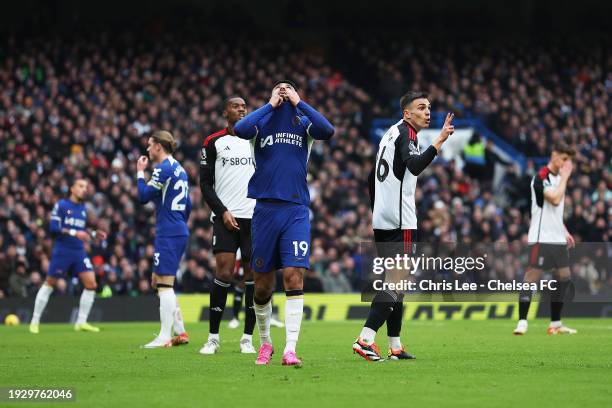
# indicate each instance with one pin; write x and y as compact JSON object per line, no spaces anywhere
{"x":548,"y":238}
{"x":392,"y":188}
{"x":225,"y":170}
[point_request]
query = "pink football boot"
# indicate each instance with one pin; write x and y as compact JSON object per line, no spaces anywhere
{"x":265,"y":354}
{"x":290,"y":359}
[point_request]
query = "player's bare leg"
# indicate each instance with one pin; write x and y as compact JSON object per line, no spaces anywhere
{"x":246,"y":342}
{"x":293,"y":279}
{"x":562,"y":275}
{"x":262,"y":303}
{"x":532,"y":275}
{"x":218,"y":298}
{"x":42,"y":298}
{"x":88,"y":278}
{"x":167,"y":306}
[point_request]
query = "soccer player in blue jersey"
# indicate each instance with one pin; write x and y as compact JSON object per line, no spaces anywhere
{"x":282,"y":133}
{"x":69,"y":227}
{"x":169,"y":190}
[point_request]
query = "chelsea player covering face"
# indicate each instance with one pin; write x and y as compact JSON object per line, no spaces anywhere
{"x":169,"y":191}
{"x":281,"y":133}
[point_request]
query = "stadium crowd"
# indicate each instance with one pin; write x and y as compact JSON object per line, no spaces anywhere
{"x":532,"y":96}
{"x":85,"y":108}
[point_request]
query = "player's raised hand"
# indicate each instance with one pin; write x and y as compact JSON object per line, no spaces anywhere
{"x":230,"y":222}
{"x":448,"y":128}
{"x":276,"y":99}
{"x":142,"y":163}
{"x":566,"y":169}
{"x":293,"y":96}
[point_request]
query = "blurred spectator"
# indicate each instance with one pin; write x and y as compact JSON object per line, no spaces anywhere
{"x":312,"y":282}
{"x":144,"y":287}
{"x":335,"y":281}
{"x":196,"y":281}
{"x":5,"y":272}
{"x":18,"y":282}
{"x":474,"y":156}
{"x":491,"y":159}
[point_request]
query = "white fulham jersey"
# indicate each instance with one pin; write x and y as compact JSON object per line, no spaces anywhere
{"x":546,"y":219}
{"x":226,"y":167}
{"x":394,"y":185}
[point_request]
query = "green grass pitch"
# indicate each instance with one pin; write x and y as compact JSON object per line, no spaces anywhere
{"x":459,"y":363}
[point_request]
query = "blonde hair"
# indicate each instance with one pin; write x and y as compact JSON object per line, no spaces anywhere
{"x":165,"y":138}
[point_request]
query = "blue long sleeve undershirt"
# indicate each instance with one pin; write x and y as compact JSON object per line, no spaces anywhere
{"x":320,"y":127}
{"x":145,"y":192}
{"x":246,"y":128}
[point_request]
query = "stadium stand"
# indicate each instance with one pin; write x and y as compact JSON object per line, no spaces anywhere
{"x":85,"y":108}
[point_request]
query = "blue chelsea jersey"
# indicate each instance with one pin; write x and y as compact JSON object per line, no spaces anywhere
{"x":282,"y":138}
{"x":169,"y":190}
{"x":70,"y":215}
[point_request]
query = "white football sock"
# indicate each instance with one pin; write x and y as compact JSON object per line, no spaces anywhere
{"x":395,"y":343}
{"x":179,"y":324}
{"x":248,"y":337}
{"x":42,"y":297}
{"x":367,"y":335}
{"x":263,"y":313}
{"x":87,"y":300}
{"x":213,"y":336}
{"x":556,"y":324}
{"x":167,"y":304}
{"x":294,"y":309}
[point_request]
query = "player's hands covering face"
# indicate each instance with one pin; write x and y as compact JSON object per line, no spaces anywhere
{"x":293,"y":96}
{"x":276,"y":99}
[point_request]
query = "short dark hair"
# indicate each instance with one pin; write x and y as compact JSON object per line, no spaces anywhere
{"x":72,"y":180}
{"x":228,"y":100}
{"x":562,"y":147}
{"x":286,"y":81}
{"x":411,"y":96}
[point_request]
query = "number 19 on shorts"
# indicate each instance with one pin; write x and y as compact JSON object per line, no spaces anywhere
{"x":301,"y":248}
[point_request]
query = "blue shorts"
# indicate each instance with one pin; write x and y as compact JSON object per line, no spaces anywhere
{"x":168,"y":254}
{"x":69,"y":261}
{"x":280,"y":233}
